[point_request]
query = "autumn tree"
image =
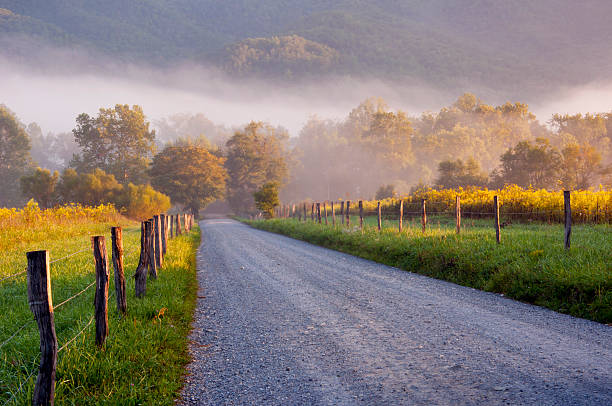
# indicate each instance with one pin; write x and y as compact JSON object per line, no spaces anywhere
{"x":581,"y":166}
{"x":530,"y":164}
{"x":90,"y":189}
{"x":189,"y":174}
{"x":385,"y":192}
{"x":455,"y":174}
{"x":255,"y":156}
{"x":14,"y":157}
{"x":40,"y":186}
{"x":266,"y":199}
{"x":117,"y":141}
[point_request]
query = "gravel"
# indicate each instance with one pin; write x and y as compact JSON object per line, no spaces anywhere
{"x":283,"y":322}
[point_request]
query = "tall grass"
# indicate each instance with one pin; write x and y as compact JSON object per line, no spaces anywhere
{"x":530,"y":264}
{"x":142,"y":361}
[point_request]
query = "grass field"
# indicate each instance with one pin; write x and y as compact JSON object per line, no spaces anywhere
{"x":143,"y":359}
{"x":530,"y":264}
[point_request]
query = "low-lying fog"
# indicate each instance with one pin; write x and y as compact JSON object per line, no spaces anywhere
{"x":53,"y":100}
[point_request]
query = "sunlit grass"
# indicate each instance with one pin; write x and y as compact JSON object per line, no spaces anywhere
{"x":143,"y":359}
{"x":531,"y":263}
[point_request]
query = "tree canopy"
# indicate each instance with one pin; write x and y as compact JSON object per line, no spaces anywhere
{"x":14,"y":157}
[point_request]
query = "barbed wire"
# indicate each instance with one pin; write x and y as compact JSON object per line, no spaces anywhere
{"x":74,"y":296}
{"x":14,"y":275}
{"x":78,"y":334}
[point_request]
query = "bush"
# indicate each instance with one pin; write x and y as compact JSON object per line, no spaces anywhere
{"x":141,"y":202}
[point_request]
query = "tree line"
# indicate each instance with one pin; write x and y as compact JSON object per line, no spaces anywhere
{"x":373,"y":152}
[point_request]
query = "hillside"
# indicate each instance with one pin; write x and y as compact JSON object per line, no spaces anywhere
{"x":519,"y":46}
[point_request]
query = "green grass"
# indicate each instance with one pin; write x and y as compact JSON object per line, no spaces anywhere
{"x":530,"y":264}
{"x":146,"y":351}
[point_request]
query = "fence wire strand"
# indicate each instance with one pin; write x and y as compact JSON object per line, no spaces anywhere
{"x":69,"y":255}
{"x":14,"y":275}
{"x":20,"y":387}
{"x":78,"y":334}
{"x":74,"y":296}
{"x":15,"y":333}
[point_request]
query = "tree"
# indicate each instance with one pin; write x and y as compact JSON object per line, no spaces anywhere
{"x":266,"y":199}
{"x":455,"y":174}
{"x":531,"y":165}
{"x":385,"y":192}
{"x":581,"y":165}
{"x":14,"y":157}
{"x":141,"y":202}
{"x":190,"y":175}
{"x":117,"y":141}
{"x":255,"y":156}
{"x":40,"y":186}
{"x":90,"y":189}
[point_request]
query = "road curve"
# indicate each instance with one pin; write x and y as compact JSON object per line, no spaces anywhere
{"x":283,"y":322}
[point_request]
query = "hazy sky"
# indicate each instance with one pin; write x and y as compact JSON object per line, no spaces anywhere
{"x":54,"y":101}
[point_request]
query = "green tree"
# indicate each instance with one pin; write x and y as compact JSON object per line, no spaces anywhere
{"x":530,"y":164}
{"x":141,"y":202}
{"x":581,"y":166}
{"x":190,"y":175}
{"x":385,"y":192}
{"x":255,"y":156}
{"x":14,"y":157}
{"x":40,"y":186}
{"x":455,"y":174}
{"x":266,"y":199}
{"x":90,"y":189}
{"x":117,"y":141}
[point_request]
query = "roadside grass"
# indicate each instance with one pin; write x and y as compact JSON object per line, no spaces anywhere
{"x":530,"y":264}
{"x":144,"y":357}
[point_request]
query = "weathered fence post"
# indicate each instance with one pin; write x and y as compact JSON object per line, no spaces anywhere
{"x":379,"y":217}
{"x":325,"y":211}
{"x":171,"y":226}
{"x":312,"y":212}
{"x":458,"y":213}
{"x":151,"y":239}
{"x":348,"y":213}
{"x":305,"y":213}
{"x":293,"y":212}
{"x":178,"y":225}
{"x":496,"y":214}
{"x":568,"y":218}
{"x":101,"y":296}
{"x":342,"y":211}
{"x":117,"y":255}
{"x":333,"y":214}
{"x":140,"y":276}
{"x":319,"y":213}
{"x":41,"y":304}
{"x":361,"y":215}
{"x":423,"y":215}
{"x":157,"y":240}
{"x":401,"y":216}
{"x":164,"y":233}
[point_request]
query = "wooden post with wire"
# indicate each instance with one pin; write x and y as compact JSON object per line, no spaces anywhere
{"x":117,"y":256}
{"x":400,"y":221}
{"x":140,"y":276}
{"x":361,"y":215}
{"x":171,"y":226}
{"x":325,"y":211}
{"x":458,"y":213}
{"x":568,"y":218}
{"x":101,"y":296}
{"x":305,"y":213}
{"x":178,"y":225}
{"x":496,"y":214}
{"x":151,"y":240}
{"x":423,"y":215}
{"x":41,"y":304}
{"x":157,"y":239}
{"x":379,"y":217}
{"x":319,"y":213}
{"x":164,"y":234}
{"x":342,"y":211}
{"x":348,"y":213}
{"x":333,"y":214}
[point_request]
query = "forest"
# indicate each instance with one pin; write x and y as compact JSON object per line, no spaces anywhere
{"x":118,"y":157}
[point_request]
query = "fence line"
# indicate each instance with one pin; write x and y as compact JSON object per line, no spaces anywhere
{"x":41,"y":302}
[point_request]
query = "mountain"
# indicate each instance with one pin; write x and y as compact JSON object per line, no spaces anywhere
{"x":519,"y":46}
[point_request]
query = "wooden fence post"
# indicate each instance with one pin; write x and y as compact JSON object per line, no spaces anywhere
{"x":496,"y":213}
{"x":319,"y":213}
{"x":151,"y":240}
{"x":361,"y":215}
{"x":171,"y":226}
{"x":117,"y":254}
{"x":568,"y":218}
{"x":178,"y":225}
{"x":458,"y":213}
{"x":348,"y":213}
{"x":342,"y":211}
{"x":164,"y":233}
{"x":157,"y":240}
{"x":401,"y":216}
{"x":379,"y":217}
{"x":325,"y":211}
{"x":305,"y":213}
{"x":333,"y":214}
{"x":423,"y":215}
{"x":41,"y":304}
{"x":101,"y":296}
{"x":312,"y":212}
{"x":140,"y":276}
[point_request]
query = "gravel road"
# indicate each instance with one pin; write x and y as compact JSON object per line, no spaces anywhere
{"x":283,"y":322}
